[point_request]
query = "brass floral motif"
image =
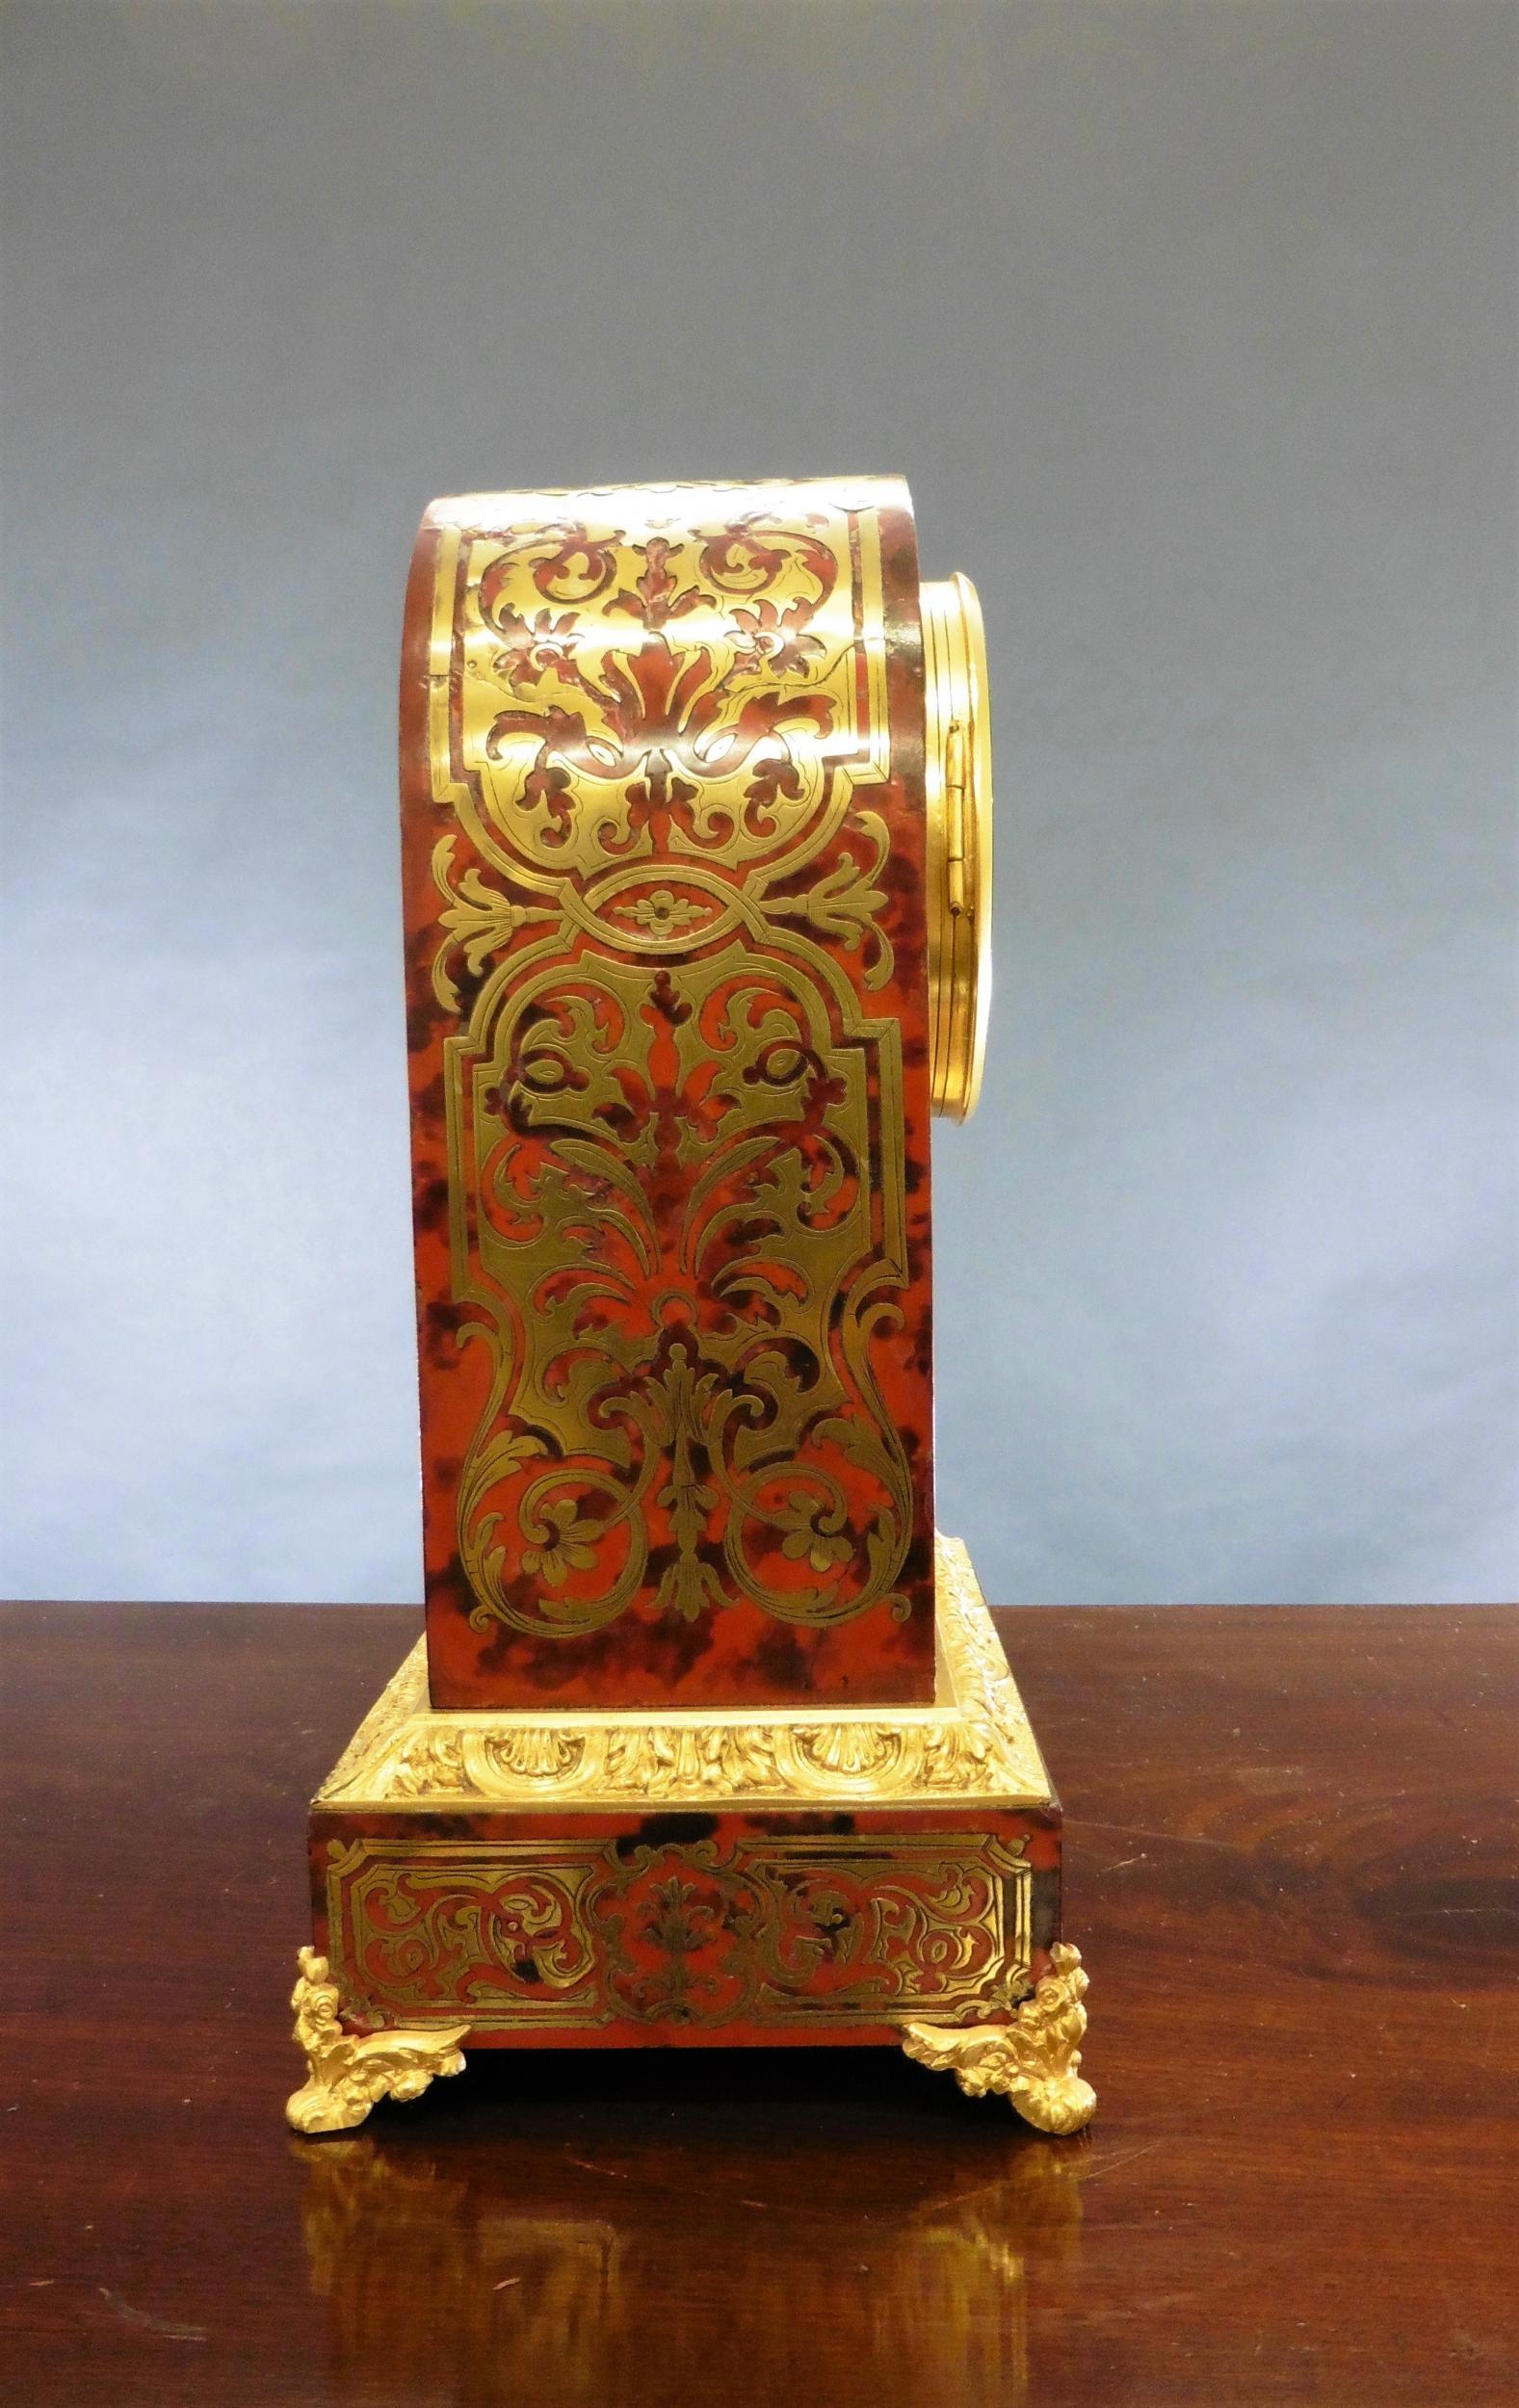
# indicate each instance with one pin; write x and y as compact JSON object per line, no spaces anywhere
{"x":674,"y":1132}
{"x":345,"y":2074}
{"x":1034,"y":2060}
{"x":555,"y":1932}
{"x":973,"y":1746}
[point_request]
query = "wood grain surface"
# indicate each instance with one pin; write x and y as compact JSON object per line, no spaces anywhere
{"x":1291,"y":1866}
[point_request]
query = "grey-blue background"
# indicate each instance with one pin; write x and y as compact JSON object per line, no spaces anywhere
{"x":1193,"y":328}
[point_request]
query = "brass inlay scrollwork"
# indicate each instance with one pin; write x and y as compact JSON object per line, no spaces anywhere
{"x":675,"y":1133}
{"x":554,"y":1933}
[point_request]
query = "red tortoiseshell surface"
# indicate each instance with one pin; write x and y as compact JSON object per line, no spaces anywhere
{"x":662,"y":812}
{"x":620,"y":1930}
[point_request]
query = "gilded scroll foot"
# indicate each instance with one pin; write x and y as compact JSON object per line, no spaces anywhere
{"x":1034,"y":2060}
{"x":345,"y":2074}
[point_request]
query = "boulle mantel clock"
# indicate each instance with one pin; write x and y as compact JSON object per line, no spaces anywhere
{"x":710,"y":1738}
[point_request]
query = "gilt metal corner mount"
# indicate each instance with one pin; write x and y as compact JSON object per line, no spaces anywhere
{"x":346,"y":2074}
{"x":1034,"y":2060}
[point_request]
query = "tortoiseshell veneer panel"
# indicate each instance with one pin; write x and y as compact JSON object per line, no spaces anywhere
{"x":600,"y":1930}
{"x":663,"y":808}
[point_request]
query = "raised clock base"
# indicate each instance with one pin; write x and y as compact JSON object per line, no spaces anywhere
{"x":867,"y":1875}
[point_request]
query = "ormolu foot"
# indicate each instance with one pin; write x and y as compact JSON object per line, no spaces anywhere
{"x":1034,"y":2060}
{"x":345,"y":2074}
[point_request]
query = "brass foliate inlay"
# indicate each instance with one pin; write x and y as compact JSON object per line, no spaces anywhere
{"x":578,"y":1931}
{"x":664,"y":787}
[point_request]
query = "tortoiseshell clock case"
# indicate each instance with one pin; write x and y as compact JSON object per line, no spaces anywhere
{"x":709,"y":1739}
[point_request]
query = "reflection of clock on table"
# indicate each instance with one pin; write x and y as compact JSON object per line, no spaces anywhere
{"x":710,"y":1739}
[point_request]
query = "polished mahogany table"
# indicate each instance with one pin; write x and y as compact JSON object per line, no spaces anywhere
{"x":1292,"y":1866}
